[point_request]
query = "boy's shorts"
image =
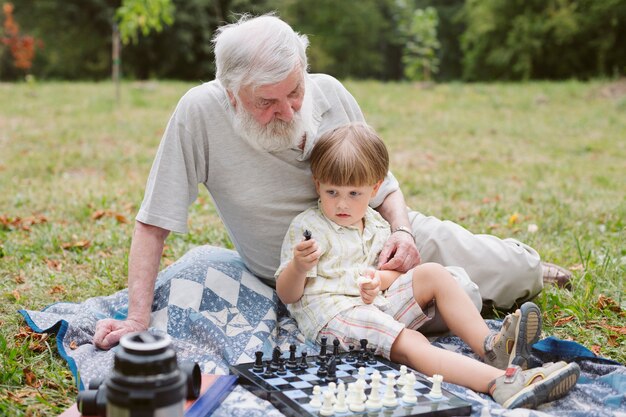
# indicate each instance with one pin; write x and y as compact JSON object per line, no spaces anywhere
{"x":381,"y":326}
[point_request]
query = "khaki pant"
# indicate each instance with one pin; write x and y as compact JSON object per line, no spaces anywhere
{"x":505,"y":270}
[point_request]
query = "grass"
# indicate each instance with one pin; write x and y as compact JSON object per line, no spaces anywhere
{"x":539,"y":162}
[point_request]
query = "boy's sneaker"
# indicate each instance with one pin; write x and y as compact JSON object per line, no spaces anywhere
{"x":534,"y":387}
{"x":511,"y":346}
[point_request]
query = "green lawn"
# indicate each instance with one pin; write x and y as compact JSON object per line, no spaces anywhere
{"x":541,"y":162}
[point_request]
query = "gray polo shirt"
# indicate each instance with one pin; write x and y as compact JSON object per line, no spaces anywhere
{"x":256,"y":193}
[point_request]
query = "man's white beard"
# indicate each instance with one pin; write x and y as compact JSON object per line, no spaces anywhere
{"x":275,"y":136}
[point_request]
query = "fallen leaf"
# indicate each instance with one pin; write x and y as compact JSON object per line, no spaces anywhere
{"x":16,"y":295}
{"x":577,"y":267}
{"x":20,"y":278}
{"x":73,"y":345}
{"x":563,"y":320}
{"x":98,"y":214}
{"x":608,"y":303}
{"x":612,"y":341}
{"x":57,"y":289}
{"x":80,"y":244}
{"x":31,"y":378}
{"x":596,"y":349}
{"x":620,"y":330}
{"x":54,"y":264}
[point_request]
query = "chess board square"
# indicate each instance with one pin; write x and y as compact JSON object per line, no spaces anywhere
{"x":295,"y":394}
{"x":301,"y":384}
{"x":309,"y":377}
{"x":276,"y":381}
{"x":291,"y":378}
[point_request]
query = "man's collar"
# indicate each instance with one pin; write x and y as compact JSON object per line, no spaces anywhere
{"x":314,"y":105}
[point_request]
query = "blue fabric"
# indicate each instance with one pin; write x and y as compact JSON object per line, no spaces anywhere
{"x":218,"y":314}
{"x":557,"y":349}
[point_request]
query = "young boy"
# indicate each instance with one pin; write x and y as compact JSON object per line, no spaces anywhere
{"x":322,"y":281}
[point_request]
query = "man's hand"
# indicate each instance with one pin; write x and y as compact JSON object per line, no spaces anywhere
{"x":399,"y":253}
{"x":306,"y":255}
{"x":109,"y":331}
{"x":369,"y":286}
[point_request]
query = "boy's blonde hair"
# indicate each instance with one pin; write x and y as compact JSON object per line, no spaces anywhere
{"x":351,"y":155}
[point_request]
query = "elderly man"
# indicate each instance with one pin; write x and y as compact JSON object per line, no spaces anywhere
{"x":247,"y":137}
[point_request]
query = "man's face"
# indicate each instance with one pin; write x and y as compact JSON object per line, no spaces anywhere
{"x":269,"y":116}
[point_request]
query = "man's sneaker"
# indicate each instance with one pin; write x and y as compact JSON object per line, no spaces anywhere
{"x":556,"y":275}
{"x":511,"y":346}
{"x":531,"y":388}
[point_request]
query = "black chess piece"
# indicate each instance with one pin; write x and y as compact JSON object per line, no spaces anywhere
{"x":351,"y":356}
{"x":258,"y":363}
{"x":371,"y":358}
{"x":322,"y":357}
{"x":276,"y":356}
{"x":303,"y":363}
{"x":362,"y":355}
{"x":269,"y":372}
{"x":292,"y":362}
{"x":307,"y":234}
{"x":281,"y":367}
{"x":331,"y":371}
{"x":322,"y":370}
{"x":336,"y":351}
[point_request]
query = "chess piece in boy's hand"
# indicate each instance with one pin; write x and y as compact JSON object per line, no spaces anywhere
{"x":306,"y":253}
{"x":369,"y":285}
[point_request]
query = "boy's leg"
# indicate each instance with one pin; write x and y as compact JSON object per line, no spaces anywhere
{"x":505,"y":270}
{"x":434,"y":282}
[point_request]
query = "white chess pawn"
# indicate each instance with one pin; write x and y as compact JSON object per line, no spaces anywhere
{"x":332,"y":387}
{"x":374,"y":402}
{"x":409,"y":396}
{"x":340,"y":405}
{"x":389,"y":400}
{"x":316,"y":400}
{"x":327,"y":408}
{"x":402,"y":378}
{"x":354,"y":398}
{"x":435,"y":391}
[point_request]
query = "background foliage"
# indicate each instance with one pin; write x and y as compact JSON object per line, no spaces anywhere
{"x":479,"y":39}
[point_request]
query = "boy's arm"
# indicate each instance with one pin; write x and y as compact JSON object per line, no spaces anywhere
{"x":291,"y":280}
{"x":290,"y":284}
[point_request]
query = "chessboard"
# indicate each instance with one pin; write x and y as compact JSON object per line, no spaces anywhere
{"x":354,"y":383}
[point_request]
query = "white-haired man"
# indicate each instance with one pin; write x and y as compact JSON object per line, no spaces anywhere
{"x":247,"y":137}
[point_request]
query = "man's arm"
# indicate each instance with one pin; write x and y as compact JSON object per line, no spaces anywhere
{"x":143,"y":266}
{"x":400,"y":252}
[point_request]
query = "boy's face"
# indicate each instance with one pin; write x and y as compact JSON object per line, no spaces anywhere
{"x":345,"y":205}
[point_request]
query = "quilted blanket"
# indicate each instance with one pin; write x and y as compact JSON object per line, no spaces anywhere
{"x":217,"y":313}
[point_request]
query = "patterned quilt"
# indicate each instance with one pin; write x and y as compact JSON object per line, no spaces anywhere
{"x":217,"y":313}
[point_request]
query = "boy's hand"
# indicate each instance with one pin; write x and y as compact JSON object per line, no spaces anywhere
{"x":306,"y":254}
{"x":369,"y":285}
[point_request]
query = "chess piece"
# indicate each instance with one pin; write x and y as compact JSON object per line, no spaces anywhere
{"x":303,"y":363}
{"x":336,"y":351}
{"x":372,"y":356}
{"x":355,"y":403}
{"x":327,"y":406}
{"x":258,"y":362}
{"x":276,"y":354}
{"x":351,"y":356}
{"x":281,"y":367}
{"x":340,"y":404}
{"x":323,"y":345}
{"x":307,"y":234}
{"x":435,"y":390}
{"x":362,"y":355}
{"x":322,"y":371}
{"x":269,"y":372}
{"x":332,"y":387}
{"x":292,"y":363}
{"x":316,"y":399}
{"x":331,"y":370}
{"x":374,"y":402}
{"x":389,"y":399}
{"x":402,"y":378}
{"x":409,"y":396}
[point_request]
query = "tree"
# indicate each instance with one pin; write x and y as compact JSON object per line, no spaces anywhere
{"x":420,"y":51}
{"x":21,"y":47}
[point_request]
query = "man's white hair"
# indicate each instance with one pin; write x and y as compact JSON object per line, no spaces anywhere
{"x":257,"y":51}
